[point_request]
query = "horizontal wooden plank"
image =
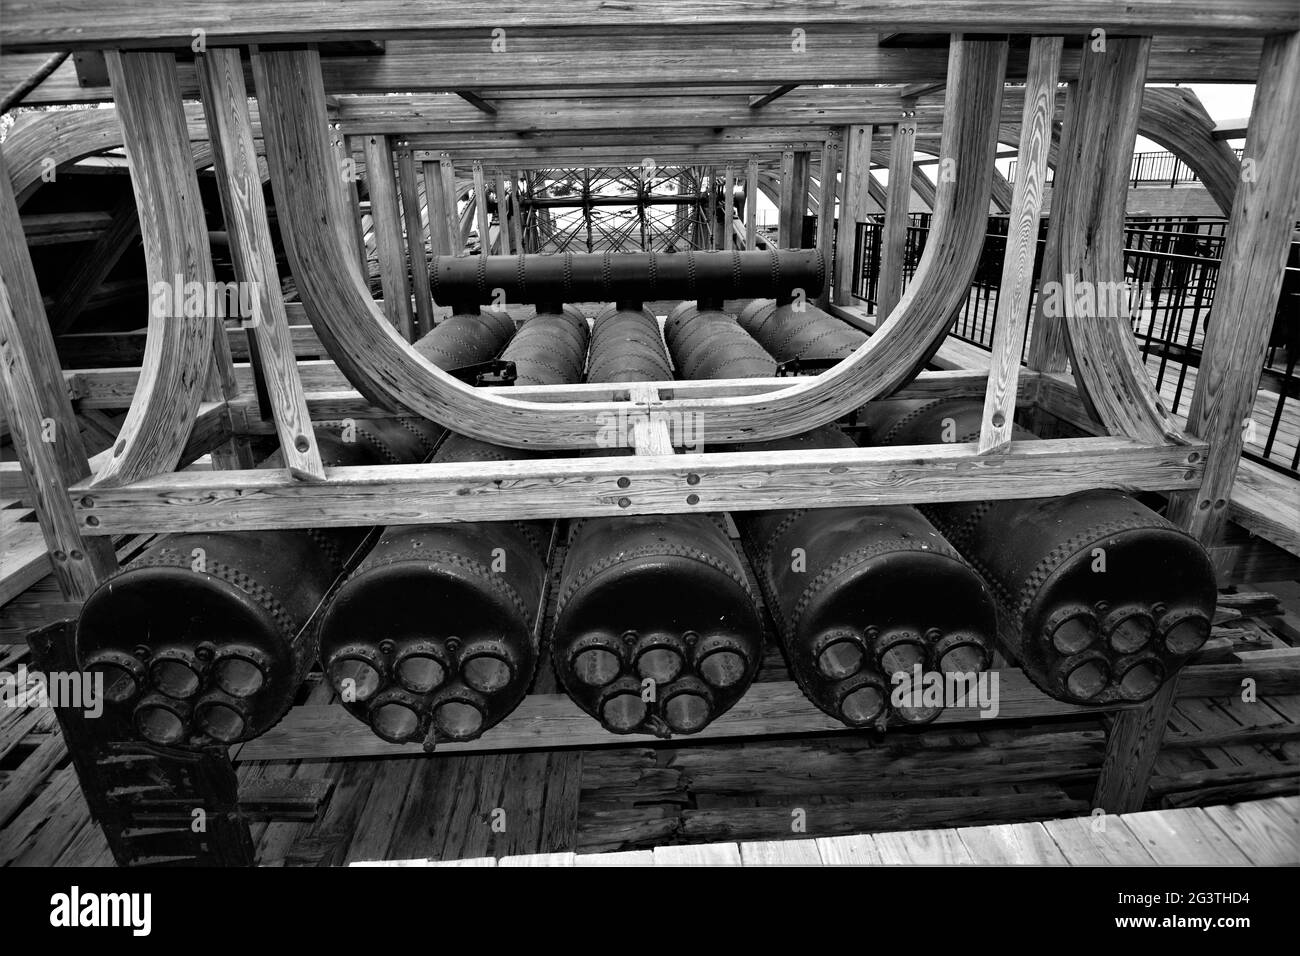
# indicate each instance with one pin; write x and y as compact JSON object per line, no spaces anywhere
{"x":677,"y":484}
{"x":333,"y":405}
{"x":542,"y":61}
{"x":545,"y":721}
{"x":94,"y":24}
{"x":447,"y":114}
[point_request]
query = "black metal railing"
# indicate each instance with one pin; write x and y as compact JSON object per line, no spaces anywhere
{"x":1154,"y":168}
{"x":1173,"y":265}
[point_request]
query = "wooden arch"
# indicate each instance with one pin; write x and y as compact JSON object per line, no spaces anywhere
{"x":390,"y":374}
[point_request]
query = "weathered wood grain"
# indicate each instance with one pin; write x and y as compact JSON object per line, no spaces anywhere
{"x":179,"y":348}
{"x":1255,"y":249}
{"x":548,"y":488}
{"x":854,"y":206}
{"x":408,"y":178}
{"x":386,"y":215}
{"x":32,"y":26}
{"x":34,"y":400}
{"x":221,"y":76}
{"x":1017,"y":287}
{"x":898,"y":203}
{"x":1089,"y":199}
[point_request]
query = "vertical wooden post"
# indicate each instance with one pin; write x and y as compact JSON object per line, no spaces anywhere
{"x":728,"y":208}
{"x":225,"y":101}
{"x":35,"y":403}
{"x":503,"y":217}
{"x":713,"y":207}
{"x":893,"y":237}
{"x":480,"y":202}
{"x":826,"y":215}
{"x":751,"y":203}
{"x":517,"y":213}
{"x":386,"y":217}
{"x":799,"y":211}
{"x":784,"y":216}
{"x":854,"y":197}
{"x":1250,"y":278}
{"x":437,"y":215}
{"x":409,"y":181}
{"x":449,"y":203}
{"x":349,"y":196}
{"x":1012,"y":320}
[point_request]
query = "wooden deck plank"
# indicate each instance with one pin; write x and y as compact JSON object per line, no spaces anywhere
{"x":538,"y":859}
{"x":706,"y":854}
{"x":1014,"y":843}
{"x":623,"y":858}
{"x":923,"y":847}
{"x":1266,"y":831}
{"x":1184,"y":838}
{"x":781,"y":853}
{"x":849,"y":850}
{"x":1083,"y":842}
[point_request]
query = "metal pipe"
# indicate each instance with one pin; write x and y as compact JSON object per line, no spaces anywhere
{"x":435,"y":635}
{"x":1103,"y":599}
{"x":853,"y":590}
{"x":655,"y":629}
{"x":206,"y":637}
{"x":610,"y":277}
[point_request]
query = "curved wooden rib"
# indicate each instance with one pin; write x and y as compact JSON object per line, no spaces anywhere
{"x":1088,"y":203}
{"x":178,"y":349}
{"x":390,"y":374}
{"x":1177,"y":120}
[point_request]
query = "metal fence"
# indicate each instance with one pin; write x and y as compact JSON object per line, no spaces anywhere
{"x":1154,"y":168}
{"x":1174,"y":263}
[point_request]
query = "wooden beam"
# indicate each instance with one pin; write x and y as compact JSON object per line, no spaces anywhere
{"x":476,"y":101}
{"x":179,"y":347}
{"x":728,"y":207}
{"x":826,"y":189}
{"x":677,"y":484}
{"x":34,"y":402}
{"x":390,"y":374}
{"x":1089,"y":199}
{"x":503,"y":216}
{"x":1017,"y":287}
{"x":450,"y":198}
{"x":1254,"y":260}
{"x":1231,"y":128}
{"x":221,"y":78}
{"x":751,"y":203}
{"x":425,"y":114}
{"x":854,"y":196}
{"x":386,"y":216}
{"x":480,"y":202}
{"x":547,"y":721}
{"x":893,"y":237}
{"x":758,"y":102}
{"x":1178,"y":121}
{"x":683,"y":57}
{"x":117,"y":23}
{"x":413,"y":218}
{"x":349,"y":198}
{"x":913,"y":90}
{"x":787,"y":200}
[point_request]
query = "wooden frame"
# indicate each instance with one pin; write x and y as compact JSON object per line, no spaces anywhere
{"x":134,"y":489}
